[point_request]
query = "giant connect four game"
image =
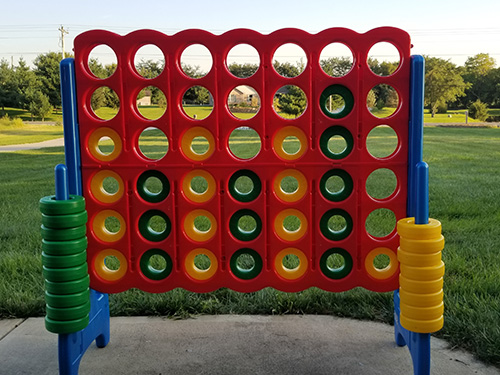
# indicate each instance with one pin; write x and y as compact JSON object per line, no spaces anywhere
{"x":223,"y":243}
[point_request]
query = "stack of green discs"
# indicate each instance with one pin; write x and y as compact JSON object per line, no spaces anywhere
{"x":64,"y":259}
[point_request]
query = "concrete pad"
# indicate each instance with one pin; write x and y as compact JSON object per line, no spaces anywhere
{"x":233,"y":344}
{"x":7,"y":325}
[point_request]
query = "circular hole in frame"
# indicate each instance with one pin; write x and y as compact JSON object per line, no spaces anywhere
{"x":290,"y":102}
{"x":383,"y":59}
{"x":289,"y":60}
{"x":106,"y":146}
{"x":336,"y":59}
{"x":110,"y":185}
{"x":202,"y":224}
{"x":244,"y":185}
{"x":291,"y":145}
{"x":243,"y":102}
{"x":112,"y":224}
{"x":102,"y":61}
{"x":105,"y":103}
{"x":243,"y":61}
{"x":381,"y":261}
{"x":202,"y":262}
{"x":244,"y":143}
{"x":336,"y":224}
{"x":246,"y":264}
{"x":382,"y":101}
{"x":290,"y":261}
{"x":112,"y":263}
{"x":153,"y":186}
{"x":291,"y":224}
{"x":153,"y":143}
{"x":380,"y":222}
{"x":197,"y":103}
{"x":336,"y":263}
{"x":151,"y":103}
{"x":336,"y":185}
{"x":199,"y":185}
{"x":336,"y":142}
{"x":196,"y":61}
{"x":149,"y":61}
{"x":382,"y":141}
{"x":381,"y":183}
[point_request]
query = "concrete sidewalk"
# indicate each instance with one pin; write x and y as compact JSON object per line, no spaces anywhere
{"x":230,"y":344}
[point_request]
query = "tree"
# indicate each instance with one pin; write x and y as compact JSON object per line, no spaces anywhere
{"x":385,"y":68}
{"x":336,"y":66}
{"x":478,"y":110}
{"x":243,"y":70}
{"x":293,"y":102}
{"x":26,"y":84}
{"x":40,"y":105}
{"x":47,"y":70}
{"x":7,"y":85}
{"x":443,"y":83}
{"x":477,"y":73}
{"x":288,"y":69}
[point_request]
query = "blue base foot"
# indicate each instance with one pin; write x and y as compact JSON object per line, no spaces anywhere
{"x":419,"y":344}
{"x":72,"y":346}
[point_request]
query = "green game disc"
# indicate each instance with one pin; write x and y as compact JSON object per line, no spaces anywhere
{"x":68,"y":326}
{"x":63,"y":234}
{"x":64,"y":261}
{"x":65,"y":274}
{"x":50,"y":206}
{"x":64,"y":247}
{"x":69,"y":313}
{"x":67,"y":287}
{"x":67,"y":300}
{"x":64,"y":221}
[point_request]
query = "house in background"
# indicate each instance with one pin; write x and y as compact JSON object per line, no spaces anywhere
{"x":243,"y":94}
{"x":145,"y":100}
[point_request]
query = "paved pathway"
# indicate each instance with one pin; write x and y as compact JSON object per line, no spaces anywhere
{"x":58,"y":142}
{"x":231,"y":344}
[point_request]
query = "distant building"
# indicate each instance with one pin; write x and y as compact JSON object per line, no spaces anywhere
{"x":243,"y":94}
{"x":145,"y":100}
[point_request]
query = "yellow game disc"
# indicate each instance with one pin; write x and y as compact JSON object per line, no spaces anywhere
{"x":97,"y":187}
{"x":93,"y":144}
{"x":187,"y":143}
{"x":100,"y":230}
{"x":195,"y":272}
{"x":293,"y":196}
{"x":192,"y":195}
{"x":106,"y":273}
{"x":279,"y":139}
{"x":294,"y":273}
{"x":282,"y":232}
{"x":195,"y":234}
{"x":383,"y":273}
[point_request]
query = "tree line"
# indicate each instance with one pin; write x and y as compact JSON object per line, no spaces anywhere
{"x":474,"y":86}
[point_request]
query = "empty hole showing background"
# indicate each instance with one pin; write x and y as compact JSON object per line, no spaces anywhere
{"x":335,"y":262}
{"x":196,"y":61}
{"x":291,"y":145}
{"x":337,"y":224}
{"x":151,"y":103}
{"x":243,"y":61}
{"x":335,"y":104}
{"x":336,"y":60}
{"x":247,"y":224}
{"x":197,"y":103}
{"x":245,"y":262}
{"x":382,"y":101}
{"x":157,"y":224}
{"x":105,"y":103}
{"x":102,"y":61}
{"x":383,"y":59}
{"x":243,"y":102}
{"x":289,"y":60}
{"x":243,"y":185}
{"x":381,"y":183}
{"x":382,"y":141}
{"x":290,"y":102}
{"x":380,"y":222}
{"x":199,"y":145}
{"x":153,"y":143}
{"x":337,"y":144}
{"x":149,"y":61}
{"x":244,"y":142}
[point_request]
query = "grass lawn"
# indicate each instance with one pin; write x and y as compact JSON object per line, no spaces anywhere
{"x":12,"y":132}
{"x":464,"y":181}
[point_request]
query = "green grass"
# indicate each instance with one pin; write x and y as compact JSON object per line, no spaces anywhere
{"x":25,"y":115}
{"x":464,"y":185}
{"x":15,"y":132}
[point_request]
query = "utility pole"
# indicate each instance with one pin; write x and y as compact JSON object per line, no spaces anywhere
{"x":63,"y":32}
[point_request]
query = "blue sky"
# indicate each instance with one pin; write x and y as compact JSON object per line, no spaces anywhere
{"x":437,"y":28}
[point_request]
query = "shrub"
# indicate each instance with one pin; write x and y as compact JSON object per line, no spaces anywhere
{"x":478,"y":110}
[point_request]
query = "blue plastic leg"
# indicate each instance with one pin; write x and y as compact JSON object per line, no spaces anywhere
{"x":72,"y":346}
{"x":419,"y":344}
